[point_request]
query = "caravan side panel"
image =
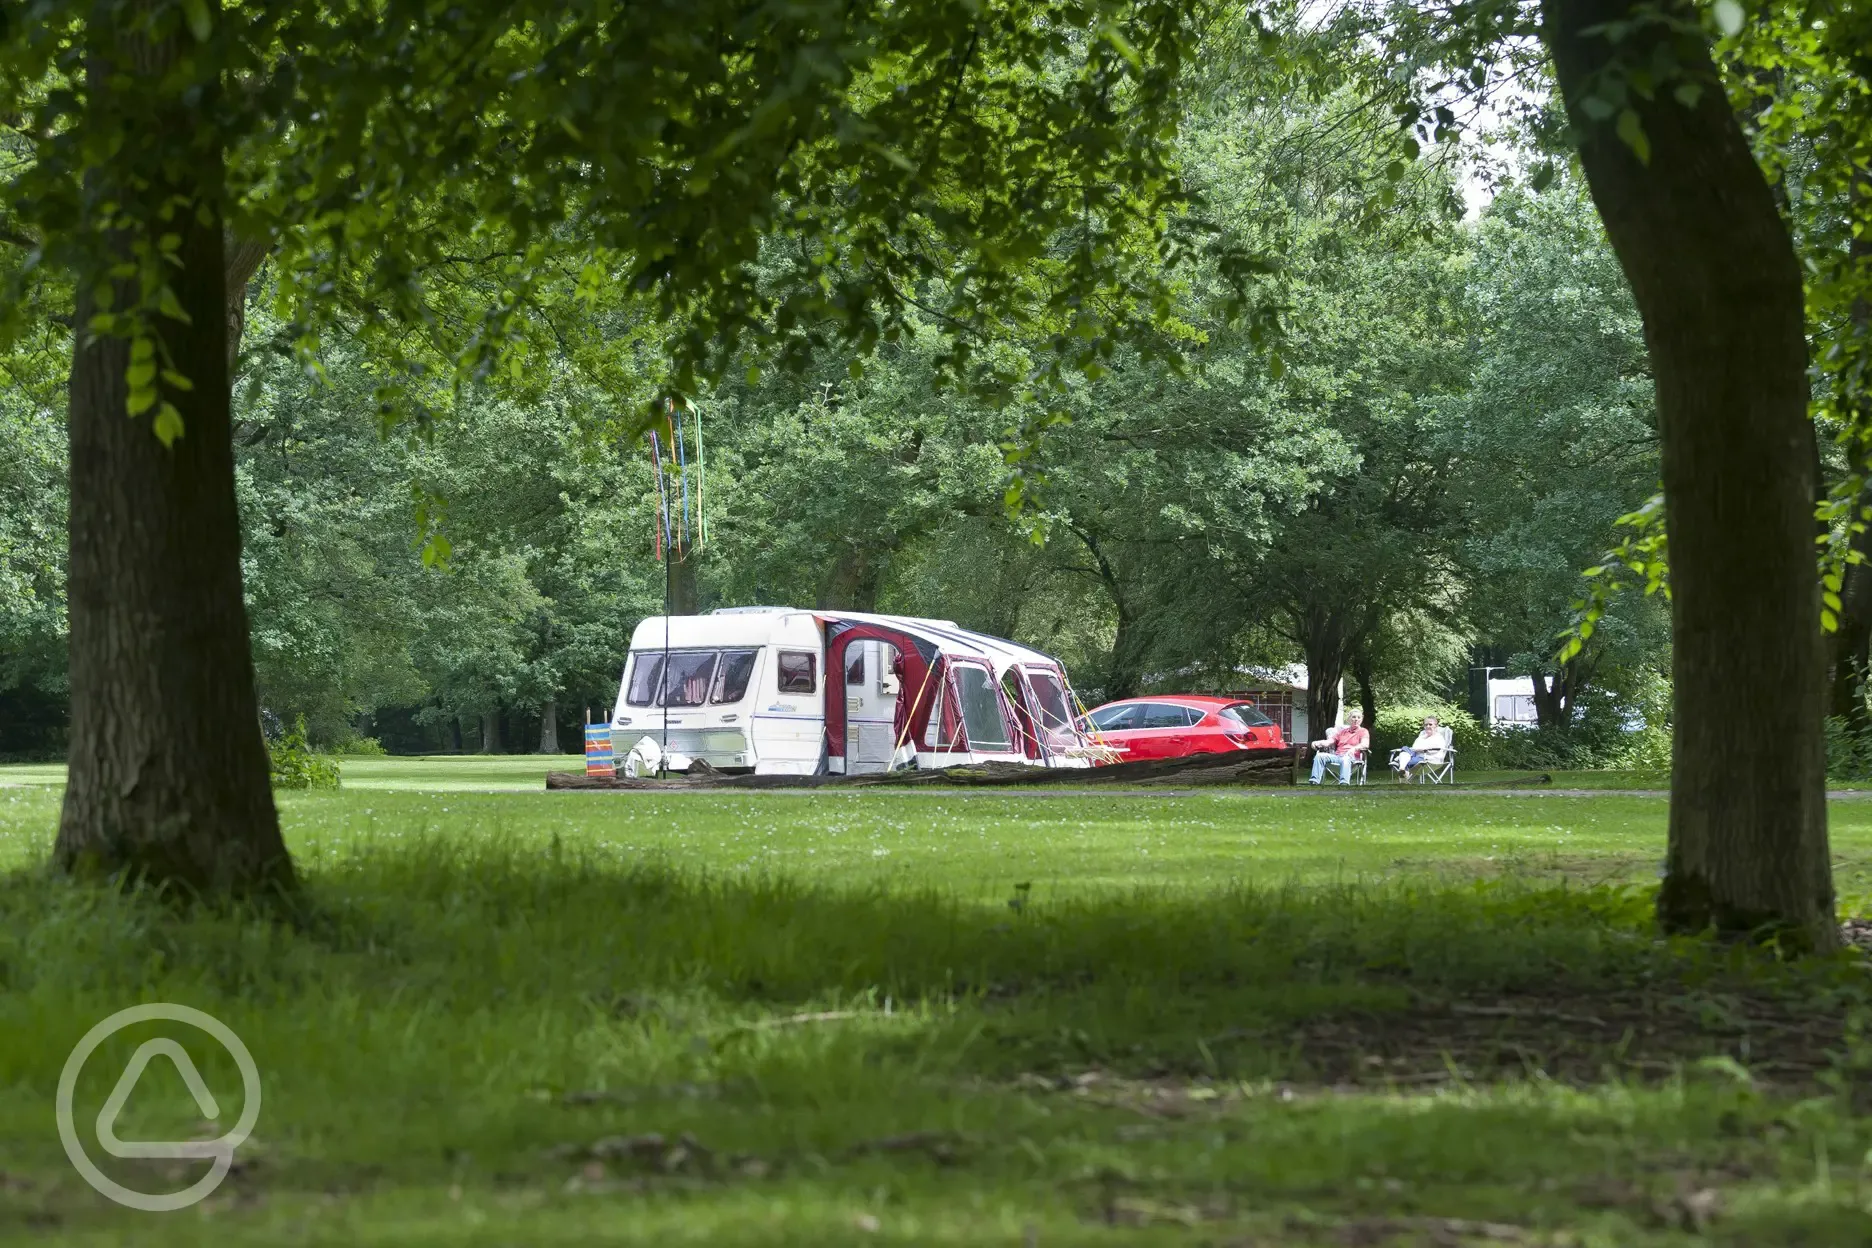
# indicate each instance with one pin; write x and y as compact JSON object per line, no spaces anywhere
{"x":788,"y":724}
{"x":789,"y":711}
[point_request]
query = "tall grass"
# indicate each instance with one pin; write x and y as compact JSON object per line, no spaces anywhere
{"x":465,"y":1000}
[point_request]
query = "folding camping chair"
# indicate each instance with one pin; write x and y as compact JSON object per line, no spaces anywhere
{"x":1441,"y":770}
{"x":1355,"y":773}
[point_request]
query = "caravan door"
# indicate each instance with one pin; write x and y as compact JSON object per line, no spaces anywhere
{"x":789,"y":715}
{"x":871,"y":690}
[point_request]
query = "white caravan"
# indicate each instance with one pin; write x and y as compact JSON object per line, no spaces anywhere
{"x":781,"y":691}
{"x":1511,"y":702}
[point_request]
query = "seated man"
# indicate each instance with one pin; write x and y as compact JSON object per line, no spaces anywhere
{"x":1427,"y":748}
{"x":1341,"y":748}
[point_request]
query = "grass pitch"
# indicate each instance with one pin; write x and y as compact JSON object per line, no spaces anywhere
{"x":1294,"y":1018}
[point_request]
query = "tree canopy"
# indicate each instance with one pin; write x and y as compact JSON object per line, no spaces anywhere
{"x":1182,"y":338}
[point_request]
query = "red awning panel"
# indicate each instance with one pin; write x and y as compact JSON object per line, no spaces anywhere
{"x":918,"y":668}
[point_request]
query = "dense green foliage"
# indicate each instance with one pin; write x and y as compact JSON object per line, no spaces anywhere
{"x":1398,"y":726}
{"x":1018,"y":273}
{"x":1460,"y":412}
{"x":295,"y":766}
{"x":1354,"y":506}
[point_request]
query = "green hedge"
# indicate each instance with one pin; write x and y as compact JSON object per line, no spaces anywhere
{"x":1592,"y":745}
{"x":1398,"y":726}
{"x":295,"y":766}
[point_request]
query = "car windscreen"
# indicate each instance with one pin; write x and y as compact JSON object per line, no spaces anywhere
{"x":1244,"y":714}
{"x":981,"y":710}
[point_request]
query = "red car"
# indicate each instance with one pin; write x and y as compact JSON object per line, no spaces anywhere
{"x":1178,"y":724}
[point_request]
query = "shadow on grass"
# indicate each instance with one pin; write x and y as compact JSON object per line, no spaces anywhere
{"x":578,"y":1047}
{"x":1337,"y":984}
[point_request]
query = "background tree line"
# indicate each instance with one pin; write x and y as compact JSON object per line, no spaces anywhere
{"x":1460,"y":411}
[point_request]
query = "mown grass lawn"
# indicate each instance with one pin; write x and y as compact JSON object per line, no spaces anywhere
{"x":1250,"y":1018}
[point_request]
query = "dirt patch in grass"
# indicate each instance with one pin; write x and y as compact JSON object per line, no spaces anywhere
{"x":1586,"y":870}
{"x":1576,"y":1037}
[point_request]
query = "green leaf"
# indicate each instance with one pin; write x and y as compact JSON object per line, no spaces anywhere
{"x":168,"y":424}
{"x":1728,"y":16}
{"x":1542,"y":177}
{"x":177,"y":381}
{"x":1122,"y":46}
{"x":140,"y":401}
{"x":170,"y":306}
{"x":436,"y":551}
{"x":855,"y":370}
{"x":1631,"y":130}
{"x":140,"y":374}
{"x":201,"y":25}
{"x":1688,"y":93}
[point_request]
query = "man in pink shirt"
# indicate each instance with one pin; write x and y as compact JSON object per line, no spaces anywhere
{"x":1341,"y":748}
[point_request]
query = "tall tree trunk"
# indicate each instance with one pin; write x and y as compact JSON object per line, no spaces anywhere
{"x":549,"y":727}
{"x":242,"y":258}
{"x":1362,"y":675}
{"x":1325,"y":669}
{"x":1320,"y":632}
{"x":684,"y":592}
{"x":490,"y":732}
{"x":854,"y":581}
{"x":1715,"y":277}
{"x":1550,"y":700}
{"x":168,"y":772}
{"x":1124,"y":677}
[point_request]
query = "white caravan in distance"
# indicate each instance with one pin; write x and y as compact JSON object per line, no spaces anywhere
{"x":783,"y":691}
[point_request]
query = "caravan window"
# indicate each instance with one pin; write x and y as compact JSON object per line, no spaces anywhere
{"x":1051,"y":696}
{"x":854,"y":667}
{"x":731,"y":679}
{"x":799,"y":671}
{"x":1516,"y":708}
{"x":981,"y":710}
{"x":689,"y":677}
{"x":646,"y":670}
{"x":690,"y":672}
